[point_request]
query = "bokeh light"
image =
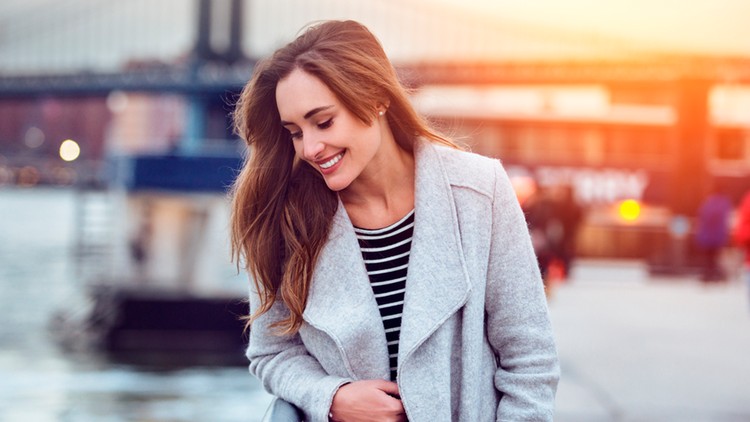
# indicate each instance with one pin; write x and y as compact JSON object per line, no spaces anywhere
{"x":630,"y":209}
{"x":69,"y":150}
{"x":34,"y":137}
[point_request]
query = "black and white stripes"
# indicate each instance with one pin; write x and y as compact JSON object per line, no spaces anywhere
{"x":386,"y":255}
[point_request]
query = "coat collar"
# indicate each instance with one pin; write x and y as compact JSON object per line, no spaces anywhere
{"x":437,"y":282}
{"x":341,"y":302}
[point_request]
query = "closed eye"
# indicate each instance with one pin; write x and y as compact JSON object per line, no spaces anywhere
{"x":326,"y":124}
{"x":295,"y":135}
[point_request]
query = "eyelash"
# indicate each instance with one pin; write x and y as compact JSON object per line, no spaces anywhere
{"x":326,"y":124}
{"x":323,"y":125}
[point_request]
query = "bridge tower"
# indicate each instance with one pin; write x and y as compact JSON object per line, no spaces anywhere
{"x":218,"y":41}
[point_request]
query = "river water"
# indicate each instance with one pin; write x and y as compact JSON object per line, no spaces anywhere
{"x":41,"y":382}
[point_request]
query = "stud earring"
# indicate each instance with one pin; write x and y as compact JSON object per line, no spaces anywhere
{"x":381,"y":112}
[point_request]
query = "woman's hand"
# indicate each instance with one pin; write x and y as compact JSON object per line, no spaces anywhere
{"x":367,"y":400}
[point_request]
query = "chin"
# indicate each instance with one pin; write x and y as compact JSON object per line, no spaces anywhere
{"x":337,"y":185}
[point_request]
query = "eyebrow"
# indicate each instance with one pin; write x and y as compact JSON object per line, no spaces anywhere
{"x":309,"y":114}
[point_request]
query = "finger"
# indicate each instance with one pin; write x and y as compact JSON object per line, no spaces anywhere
{"x":389,"y":387}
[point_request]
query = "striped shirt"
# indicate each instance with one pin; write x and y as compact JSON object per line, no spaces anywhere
{"x":386,"y":255}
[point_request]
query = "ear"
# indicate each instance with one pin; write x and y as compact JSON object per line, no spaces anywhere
{"x":383,"y":107}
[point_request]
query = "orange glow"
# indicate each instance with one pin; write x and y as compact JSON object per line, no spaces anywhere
{"x":635,"y":24}
{"x":524,"y":187}
{"x":629,"y":209}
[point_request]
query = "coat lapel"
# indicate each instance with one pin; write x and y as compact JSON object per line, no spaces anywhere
{"x":437,"y":282}
{"x":341,"y":303}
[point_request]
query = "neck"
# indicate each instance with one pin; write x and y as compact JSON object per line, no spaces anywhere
{"x":385,"y":192}
{"x":378,"y":184}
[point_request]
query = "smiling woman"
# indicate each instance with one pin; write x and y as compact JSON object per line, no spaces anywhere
{"x":352,"y":154}
{"x":392,"y":274}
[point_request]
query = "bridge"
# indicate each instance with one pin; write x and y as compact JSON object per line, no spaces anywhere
{"x":217,"y":77}
{"x":218,"y":42}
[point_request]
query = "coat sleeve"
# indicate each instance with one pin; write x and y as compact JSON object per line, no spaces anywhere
{"x":518,"y":325}
{"x":285,"y":367}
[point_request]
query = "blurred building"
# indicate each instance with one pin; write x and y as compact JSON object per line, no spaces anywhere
{"x":144,"y":84}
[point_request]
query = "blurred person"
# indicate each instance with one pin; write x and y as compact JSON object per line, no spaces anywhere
{"x":140,"y":243}
{"x":347,"y":188}
{"x":712,"y":232}
{"x":537,"y":209}
{"x":741,"y":234}
{"x":568,"y":216}
{"x":553,"y":217}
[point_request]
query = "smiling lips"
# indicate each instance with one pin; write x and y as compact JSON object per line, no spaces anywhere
{"x":328,"y":164}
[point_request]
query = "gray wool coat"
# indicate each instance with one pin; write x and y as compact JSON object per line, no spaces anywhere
{"x":476,"y":342}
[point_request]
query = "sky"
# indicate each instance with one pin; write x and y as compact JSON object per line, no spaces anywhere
{"x":703,"y":26}
{"x":61,"y":35}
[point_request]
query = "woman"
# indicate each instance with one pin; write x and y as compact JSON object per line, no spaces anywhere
{"x":393,"y":275}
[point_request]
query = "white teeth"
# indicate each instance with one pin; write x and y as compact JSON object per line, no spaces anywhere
{"x":332,"y":161}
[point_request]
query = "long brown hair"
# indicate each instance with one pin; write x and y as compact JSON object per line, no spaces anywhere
{"x":281,"y":207}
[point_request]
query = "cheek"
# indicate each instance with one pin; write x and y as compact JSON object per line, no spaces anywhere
{"x":297,"y":148}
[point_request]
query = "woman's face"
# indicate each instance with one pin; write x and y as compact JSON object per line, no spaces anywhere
{"x":324,"y":132}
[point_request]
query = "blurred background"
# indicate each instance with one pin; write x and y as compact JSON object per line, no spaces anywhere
{"x":625,"y":128}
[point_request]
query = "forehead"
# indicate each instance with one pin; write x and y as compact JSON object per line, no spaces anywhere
{"x":301,"y":92}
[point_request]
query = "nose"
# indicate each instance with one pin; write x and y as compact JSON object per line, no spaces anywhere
{"x":312,"y":147}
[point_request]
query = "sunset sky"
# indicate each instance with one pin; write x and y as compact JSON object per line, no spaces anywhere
{"x":706,"y":26}
{"x":42,"y":35}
